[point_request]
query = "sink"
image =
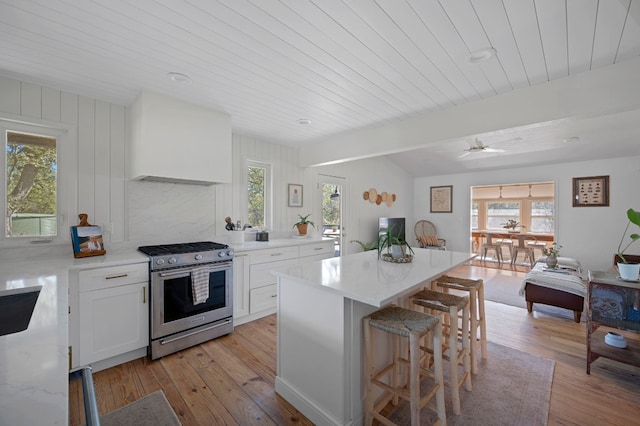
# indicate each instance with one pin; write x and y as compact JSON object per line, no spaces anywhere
{"x":16,"y":308}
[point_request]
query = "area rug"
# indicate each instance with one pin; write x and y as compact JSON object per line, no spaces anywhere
{"x":504,"y":289}
{"x":151,"y":410}
{"x":511,"y":388}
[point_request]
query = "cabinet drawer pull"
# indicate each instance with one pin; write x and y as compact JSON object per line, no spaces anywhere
{"x":319,"y":248}
{"x":276,"y":254}
{"x":274,"y":295}
{"x":111,"y":277}
{"x":240,"y":255}
{"x":144,"y":295}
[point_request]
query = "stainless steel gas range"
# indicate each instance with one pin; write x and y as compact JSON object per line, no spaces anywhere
{"x":191,"y":294}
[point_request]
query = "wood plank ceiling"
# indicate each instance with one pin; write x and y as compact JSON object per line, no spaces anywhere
{"x":343,"y":64}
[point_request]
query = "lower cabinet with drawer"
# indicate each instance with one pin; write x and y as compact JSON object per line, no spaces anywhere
{"x":254,"y":283}
{"x":112,"y":315}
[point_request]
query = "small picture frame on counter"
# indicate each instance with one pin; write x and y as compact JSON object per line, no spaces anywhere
{"x":87,"y":241}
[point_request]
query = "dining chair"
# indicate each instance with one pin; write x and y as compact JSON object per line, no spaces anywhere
{"x":523,"y":247}
{"x":536,"y":244}
{"x":488,"y":243}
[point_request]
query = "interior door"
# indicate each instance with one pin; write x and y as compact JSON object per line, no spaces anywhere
{"x":332,"y":200}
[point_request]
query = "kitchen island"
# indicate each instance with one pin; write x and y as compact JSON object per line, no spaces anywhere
{"x":320,"y":309}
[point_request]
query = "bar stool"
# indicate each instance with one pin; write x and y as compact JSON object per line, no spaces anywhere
{"x":401,"y":322}
{"x":450,"y":304}
{"x":475,"y":288}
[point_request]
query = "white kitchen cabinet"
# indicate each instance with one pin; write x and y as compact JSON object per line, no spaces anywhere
{"x":255,"y":291}
{"x":241,"y":270}
{"x":317,"y":251}
{"x":112,"y":315}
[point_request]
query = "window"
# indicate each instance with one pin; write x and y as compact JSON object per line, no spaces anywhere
{"x":498,"y":213}
{"x":542,"y":214}
{"x":258,"y":194}
{"x":30,"y":190}
{"x":474,"y":215}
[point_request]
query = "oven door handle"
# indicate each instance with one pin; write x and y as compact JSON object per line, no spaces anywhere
{"x":187,"y":272}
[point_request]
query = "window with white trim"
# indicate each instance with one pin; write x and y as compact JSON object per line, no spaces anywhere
{"x":30,"y":184}
{"x":258,"y":194}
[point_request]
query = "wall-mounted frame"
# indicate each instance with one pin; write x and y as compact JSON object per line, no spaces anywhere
{"x":591,"y":191}
{"x":295,"y":195}
{"x":442,"y":199}
{"x":87,"y":241}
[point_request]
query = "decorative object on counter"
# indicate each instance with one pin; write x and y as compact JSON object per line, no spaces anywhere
{"x":303,"y":224}
{"x":86,"y":238}
{"x":295,"y":195}
{"x":366,"y":246}
{"x":374,"y":197}
{"x":442,"y":199}
{"x":395,"y":246}
{"x":552,"y":254}
{"x":592,"y":191}
{"x":262,"y":235}
{"x":629,"y":270}
{"x":229,"y":226}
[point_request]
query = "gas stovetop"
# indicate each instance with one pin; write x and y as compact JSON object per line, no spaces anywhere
{"x":176,"y":255}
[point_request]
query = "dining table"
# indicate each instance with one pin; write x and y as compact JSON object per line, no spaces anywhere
{"x":478,"y":234}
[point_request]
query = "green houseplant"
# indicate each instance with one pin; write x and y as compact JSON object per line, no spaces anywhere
{"x":628,"y":270}
{"x":303,"y":224}
{"x":394,"y":245}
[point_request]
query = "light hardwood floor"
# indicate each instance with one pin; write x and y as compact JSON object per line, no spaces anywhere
{"x":230,"y":380}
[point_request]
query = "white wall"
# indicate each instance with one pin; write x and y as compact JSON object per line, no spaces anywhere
{"x":589,"y":234}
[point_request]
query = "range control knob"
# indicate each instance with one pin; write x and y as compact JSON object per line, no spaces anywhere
{"x":172,"y":260}
{"x":222,"y":253}
{"x":230,"y":253}
{"x":198,"y":257}
{"x":160,"y":262}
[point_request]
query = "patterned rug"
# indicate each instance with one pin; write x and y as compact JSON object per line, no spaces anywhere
{"x":511,"y":388}
{"x":151,"y":410}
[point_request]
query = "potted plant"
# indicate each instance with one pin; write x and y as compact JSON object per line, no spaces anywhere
{"x":395,"y":246}
{"x":303,"y":223}
{"x":628,"y":270}
{"x":552,"y":254}
{"x":365,"y":246}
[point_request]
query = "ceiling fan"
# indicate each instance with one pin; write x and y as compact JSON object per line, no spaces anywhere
{"x":478,"y":146}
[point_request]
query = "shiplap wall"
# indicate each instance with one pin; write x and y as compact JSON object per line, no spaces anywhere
{"x":96,"y":160}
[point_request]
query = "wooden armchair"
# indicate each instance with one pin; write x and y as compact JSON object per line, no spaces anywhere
{"x":427,"y":236}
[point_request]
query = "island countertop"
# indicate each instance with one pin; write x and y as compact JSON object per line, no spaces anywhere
{"x":363,"y":278}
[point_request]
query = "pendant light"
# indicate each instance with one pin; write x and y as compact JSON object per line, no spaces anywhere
{"x":529,"y":191}
{"x":335,"y":196}
{"x":500,"y":197}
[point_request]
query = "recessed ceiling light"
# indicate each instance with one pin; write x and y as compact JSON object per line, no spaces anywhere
{"x":304,"y":121}
{"x":482,"y":55}
{"x":177,"y":77}
{"x":571,"y":139}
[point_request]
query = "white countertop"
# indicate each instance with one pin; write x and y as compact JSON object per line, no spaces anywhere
{"x":34,"y":363}
{"x":279,"y":242}
{"x":364,"y":278}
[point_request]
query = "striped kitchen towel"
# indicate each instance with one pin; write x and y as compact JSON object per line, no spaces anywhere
{"x":200,"y":285}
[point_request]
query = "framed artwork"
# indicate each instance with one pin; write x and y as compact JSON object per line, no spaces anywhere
{"x":592,"y":191}
{"x":87,"y":241}
{"x":295,"y":195}
{"x":441,"y":199}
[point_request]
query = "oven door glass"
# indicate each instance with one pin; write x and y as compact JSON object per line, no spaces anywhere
{"x":173,"y":307}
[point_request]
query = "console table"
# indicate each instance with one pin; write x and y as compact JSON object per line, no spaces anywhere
{"x":612,"y":303}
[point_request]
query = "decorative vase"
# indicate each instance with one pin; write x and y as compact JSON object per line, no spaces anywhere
{"x":551,"y":261}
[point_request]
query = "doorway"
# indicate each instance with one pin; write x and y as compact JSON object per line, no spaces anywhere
{"x":332,"y":200}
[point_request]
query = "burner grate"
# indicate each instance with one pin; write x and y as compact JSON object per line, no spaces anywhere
{"x":181,"y":248}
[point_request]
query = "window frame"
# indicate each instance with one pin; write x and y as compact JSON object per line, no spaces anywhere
{"x":64,"y":204}
{"x":268,"y":191}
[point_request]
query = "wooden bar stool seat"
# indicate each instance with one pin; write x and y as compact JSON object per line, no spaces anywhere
{"x":475,"y":288}
{"x":450,"y":305}
{"x":401,"y":322}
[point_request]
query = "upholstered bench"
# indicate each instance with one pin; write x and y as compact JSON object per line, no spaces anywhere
{"x":562,"y":287}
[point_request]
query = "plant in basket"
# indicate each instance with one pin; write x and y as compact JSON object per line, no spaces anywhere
{"x":395,"y":246}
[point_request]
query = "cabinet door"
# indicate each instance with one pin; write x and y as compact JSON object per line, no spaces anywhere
{"x":240,"y":285}
{"x":317,"y":251}
{"x":113,"y":321}
{"x":261,"y":274}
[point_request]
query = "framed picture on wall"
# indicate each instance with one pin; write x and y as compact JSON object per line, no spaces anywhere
{"x":592,"y":191}
{"x":441,"y":199}
{"x":295,"y":195}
